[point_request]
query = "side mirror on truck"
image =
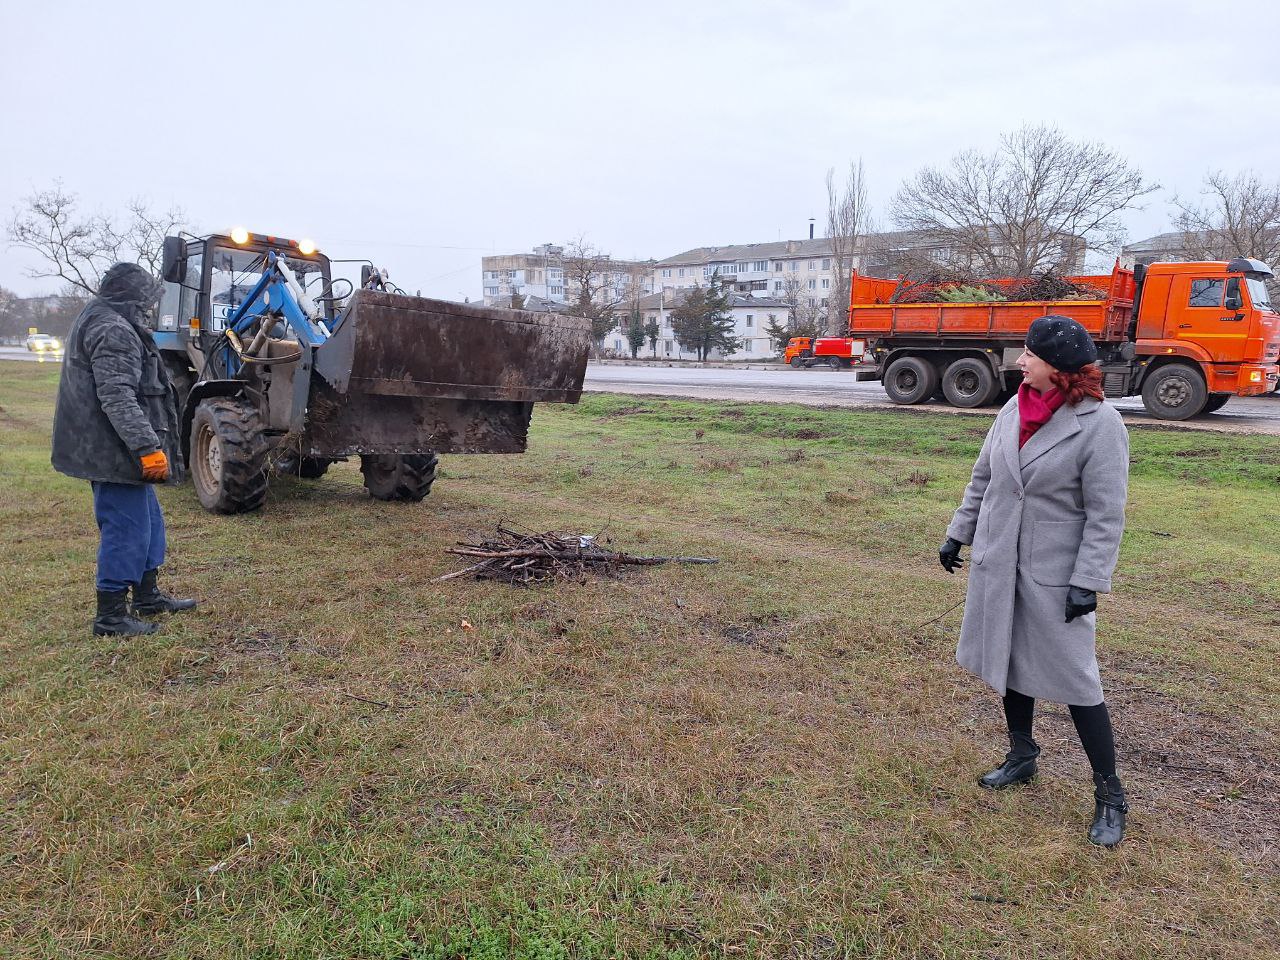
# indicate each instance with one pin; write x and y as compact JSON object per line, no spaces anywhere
{"x":1234,"y":300}
{"x":173,"y":262}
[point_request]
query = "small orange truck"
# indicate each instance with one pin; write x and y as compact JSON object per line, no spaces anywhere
{"x":1187,"y":337}
{"x":838,"y":353}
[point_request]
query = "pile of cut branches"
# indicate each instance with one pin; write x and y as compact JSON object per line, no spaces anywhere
{"x":523,"y":559}
{"x":1052,"y":286}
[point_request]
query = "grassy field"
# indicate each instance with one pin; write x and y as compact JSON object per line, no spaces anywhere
{"x":774,"y":756}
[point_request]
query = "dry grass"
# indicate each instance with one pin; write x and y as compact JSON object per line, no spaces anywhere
{"x":774,"y":756}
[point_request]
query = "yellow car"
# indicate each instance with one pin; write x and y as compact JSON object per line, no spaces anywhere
{"x":43,"y":343}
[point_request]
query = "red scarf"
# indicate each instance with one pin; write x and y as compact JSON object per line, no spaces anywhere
{"x":1035,"y":409}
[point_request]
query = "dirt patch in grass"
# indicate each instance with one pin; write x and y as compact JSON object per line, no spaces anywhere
{"x":626,"y":411}
{"x":1212,"y":776}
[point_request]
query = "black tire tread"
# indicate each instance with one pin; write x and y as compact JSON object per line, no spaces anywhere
{"x":415,"y":473}
{"x":245,"y":454}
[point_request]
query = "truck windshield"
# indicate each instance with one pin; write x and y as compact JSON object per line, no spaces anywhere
{"x":235,"y":270}
{"x":1258,"y":295}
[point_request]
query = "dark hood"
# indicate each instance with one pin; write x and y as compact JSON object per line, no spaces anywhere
{"x":129,"y":290}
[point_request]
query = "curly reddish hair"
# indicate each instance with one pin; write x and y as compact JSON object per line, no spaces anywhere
{"x":1085,"y":382}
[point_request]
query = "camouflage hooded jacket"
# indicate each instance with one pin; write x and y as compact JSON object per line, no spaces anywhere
{"x":115,"y":400}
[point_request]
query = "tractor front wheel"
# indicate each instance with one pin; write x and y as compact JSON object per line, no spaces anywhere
{"x":393,"y":476}
{"x":229,"y":456}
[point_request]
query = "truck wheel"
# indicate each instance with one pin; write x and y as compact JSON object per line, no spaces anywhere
{"x":797,"y":362}
{"x":393,"y":476}
{"x":910,"y":380}
{"x":308,"y":468}
{"x":229,"y":456}
{"x":1216,"y":401}
{"x":1175,"y":392}
{"x":968,"y":382}
{"x":834,"y":363}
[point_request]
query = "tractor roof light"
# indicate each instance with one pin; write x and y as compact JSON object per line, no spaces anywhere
{"x":306,"y":247}
{"x":239,"y":235}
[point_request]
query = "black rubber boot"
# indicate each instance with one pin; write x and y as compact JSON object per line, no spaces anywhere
{"x":1019,"y":764}
{"x":149,"y":600}
{"x":1109,"y":809}
{"x":113,"y":619}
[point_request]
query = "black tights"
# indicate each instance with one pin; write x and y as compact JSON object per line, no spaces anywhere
{"x":1093,"y":724}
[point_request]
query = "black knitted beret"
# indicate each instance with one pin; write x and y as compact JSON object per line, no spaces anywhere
{"x":1061,"y":342}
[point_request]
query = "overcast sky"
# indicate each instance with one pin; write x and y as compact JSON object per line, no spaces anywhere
{"x":424,"y":135}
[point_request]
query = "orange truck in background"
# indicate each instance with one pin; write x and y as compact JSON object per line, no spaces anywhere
{"x":1187,"y":337}
{"x":838,"y":353}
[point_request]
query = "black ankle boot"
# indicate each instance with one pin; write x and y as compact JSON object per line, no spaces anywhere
{"x":1019,"y":764}
{"x":1109,"y":809}
{"x":113,"y":618}
{"x":148,"y":599}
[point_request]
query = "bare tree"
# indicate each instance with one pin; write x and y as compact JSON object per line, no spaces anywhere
{"x":803,"y":319}
{"x":1036,"y":203}
{"x":78,"y":249}
{"x":848,"y":221}
{"x":588,"y":282}
{"x":1238,"y":216}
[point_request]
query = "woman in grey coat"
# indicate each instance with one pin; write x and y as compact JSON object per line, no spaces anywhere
{"x":1044,"y":513}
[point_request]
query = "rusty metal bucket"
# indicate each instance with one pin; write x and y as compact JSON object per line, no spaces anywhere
{"x":407,"y":374}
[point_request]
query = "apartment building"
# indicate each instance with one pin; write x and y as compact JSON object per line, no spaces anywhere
{"x":759,"y":270}
{"x":751,"y":316}
{"x":541,"y":274}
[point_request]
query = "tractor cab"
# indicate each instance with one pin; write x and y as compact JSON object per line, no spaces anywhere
{"x":207,"y":279}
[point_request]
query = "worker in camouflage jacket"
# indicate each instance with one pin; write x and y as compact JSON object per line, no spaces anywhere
{"x":116,"y":425}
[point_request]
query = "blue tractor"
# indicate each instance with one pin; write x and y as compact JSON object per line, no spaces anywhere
{"x":280,"y":368}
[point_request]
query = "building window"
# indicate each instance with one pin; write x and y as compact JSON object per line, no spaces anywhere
{"x":749,"y":321}
{"x":666,"y":346}
{"x":826,"y":263}
{"x":795,"y":265}
{"x":681,"y":271}
{"x":813,"y":264}
{"x":777,"y":266}
{"x":813,"y":284}
{"x":826,"y":283}
{"x":759,"y":284}
{"x":824,"y":301}
{"x":666,"y":273}
{"x":617,"y":345}
{"x":559,"y":291}
{"x":777,"y":285}
{"x":760,"y":266}
{"x":746,"y":345}
{"x":490,"y":291}
{"x":813,"y":301}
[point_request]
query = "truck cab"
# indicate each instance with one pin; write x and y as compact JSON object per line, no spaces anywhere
{"x":1217,"y":314}
{"x":220,"y":272}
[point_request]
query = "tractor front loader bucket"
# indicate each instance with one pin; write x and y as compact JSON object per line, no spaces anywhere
{"x":404,"y":375}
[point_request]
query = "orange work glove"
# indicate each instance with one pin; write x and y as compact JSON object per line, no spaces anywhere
{"x":155,"y":467}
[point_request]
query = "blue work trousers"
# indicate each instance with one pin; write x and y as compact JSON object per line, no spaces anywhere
{"x":132,"y":530}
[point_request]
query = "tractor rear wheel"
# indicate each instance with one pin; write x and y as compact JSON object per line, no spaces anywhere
{"x":1216,"y":401}
{"x":393,"y":476}
{"x":229,"y":455}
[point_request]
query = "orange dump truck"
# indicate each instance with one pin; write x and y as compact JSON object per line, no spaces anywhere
{"x":1186,"y":336}
{"x":838,"y":353}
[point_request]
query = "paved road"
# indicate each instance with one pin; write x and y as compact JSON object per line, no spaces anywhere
{"x":827,"y":388}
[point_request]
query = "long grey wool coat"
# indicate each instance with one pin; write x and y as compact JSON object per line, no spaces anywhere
{"x":115,"y":399}
{"x":1041,"y":519}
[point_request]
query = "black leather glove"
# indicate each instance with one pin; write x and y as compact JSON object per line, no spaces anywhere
{"x":1080,"y":601}
{"x":949,"y":555}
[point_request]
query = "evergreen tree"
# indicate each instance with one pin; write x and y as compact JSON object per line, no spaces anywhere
{"x":703,"y":322}
{"x":635,"y":333}
{"x":651,"y":331}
